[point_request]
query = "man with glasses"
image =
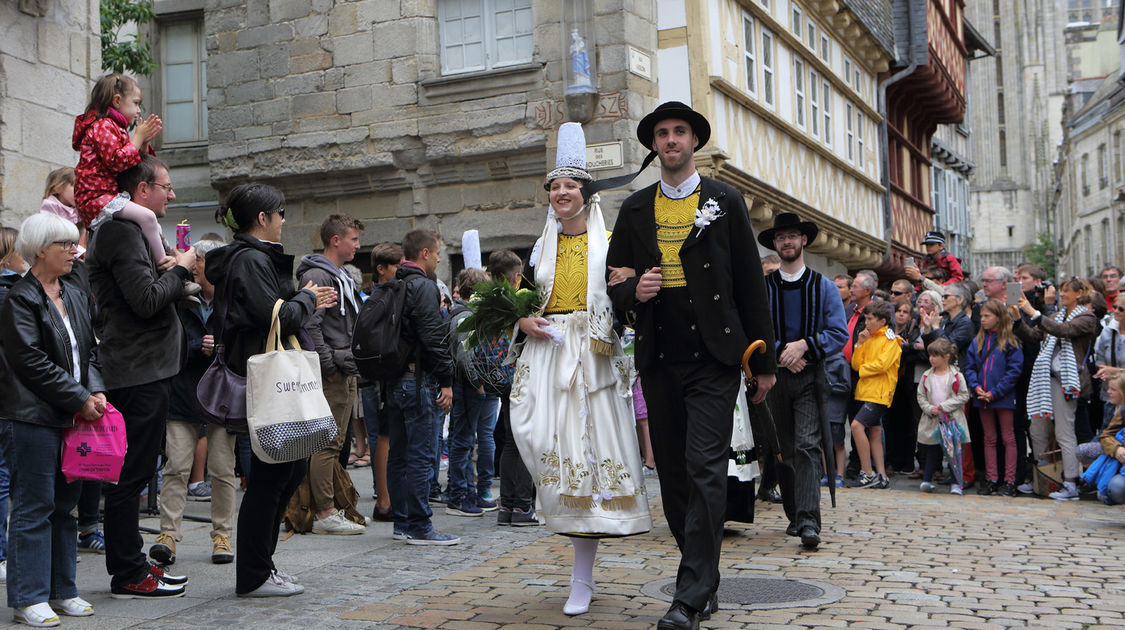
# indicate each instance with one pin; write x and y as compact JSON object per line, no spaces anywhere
{"x":140,"y":351}
{"x":809,"y":325}
{"x":994,"y":281}
{"x":901,"y":292}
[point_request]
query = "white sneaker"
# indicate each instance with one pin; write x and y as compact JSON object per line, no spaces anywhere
{"x":274,"y":586}
{"x":335,"y":524}
{"x":3,"y":571}
{"x":73,"y":607}
{"x":1025,"y":488}
{"x":37,"y":616}
{"x":926,"y":486}
{"x":1069,"y":492}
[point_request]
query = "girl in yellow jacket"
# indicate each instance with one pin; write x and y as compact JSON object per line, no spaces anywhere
{"x":876,"y":357}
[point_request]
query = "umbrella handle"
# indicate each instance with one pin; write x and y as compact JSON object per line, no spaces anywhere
{"x":756,"y":346}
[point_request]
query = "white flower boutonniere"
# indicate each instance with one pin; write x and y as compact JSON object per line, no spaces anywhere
{"x":707,"y":213}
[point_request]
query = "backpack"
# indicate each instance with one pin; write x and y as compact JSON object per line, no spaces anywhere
{"x":380,"y":352}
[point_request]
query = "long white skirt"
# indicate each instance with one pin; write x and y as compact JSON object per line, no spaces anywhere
{"x":572,"y":420}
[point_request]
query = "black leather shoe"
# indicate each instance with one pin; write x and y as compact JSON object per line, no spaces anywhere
{"x":712,"y":606}
{"x":679,"y":617}
{"x":792,"y":530}
{"x":809,"y":538}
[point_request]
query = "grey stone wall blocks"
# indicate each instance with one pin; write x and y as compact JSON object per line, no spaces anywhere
{"x":233,"y":68}
{"x":256,"y":36}
{"x":273,"y":60}
{"x":352,"y":49}
{"x":243,"y":93}
{"x":311,"y":26}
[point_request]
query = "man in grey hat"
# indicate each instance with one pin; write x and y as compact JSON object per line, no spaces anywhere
{"x":809,"y":325}
{"x":697,"y":304}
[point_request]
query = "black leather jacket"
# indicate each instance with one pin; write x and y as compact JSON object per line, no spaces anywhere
{"x":37,"y":385}
{"x":423,"y":325}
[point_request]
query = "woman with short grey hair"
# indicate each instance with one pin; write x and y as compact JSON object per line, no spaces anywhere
{"x":47,"y":377}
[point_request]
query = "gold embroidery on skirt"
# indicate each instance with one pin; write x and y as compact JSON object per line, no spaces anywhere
{"x":587,"y":503}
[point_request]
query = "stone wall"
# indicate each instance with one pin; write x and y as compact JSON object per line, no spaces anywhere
{"x":343,"y":106}
{"x":46,"y":65}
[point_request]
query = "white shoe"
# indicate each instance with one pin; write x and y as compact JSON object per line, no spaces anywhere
{"x":3,"y":571}
{"x":274,"y":586}
{"x":1069,"y":492}
{"x":926,"y":486}
{"x":37,"y":616}
{"x":285,"y":576}
{"x":336,"y":524}
{"x":581,"y":592}
{"x":1025,"y":488}
{"x":73,"y":607}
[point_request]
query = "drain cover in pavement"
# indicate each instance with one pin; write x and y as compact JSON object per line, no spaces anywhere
{"x":756,"y":593}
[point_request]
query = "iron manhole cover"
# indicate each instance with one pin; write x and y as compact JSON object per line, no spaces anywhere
{"x":759,"y":592}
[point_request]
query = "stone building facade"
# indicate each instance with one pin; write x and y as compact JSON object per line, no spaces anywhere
{"x":49,"y":56}
{"x":1017,"y":120}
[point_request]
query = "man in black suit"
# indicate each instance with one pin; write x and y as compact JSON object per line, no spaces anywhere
{"x":697,"y":303}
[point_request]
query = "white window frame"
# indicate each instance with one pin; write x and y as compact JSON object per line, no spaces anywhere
{"x":795,"y":20}
{"x":799,"y":91}
{"x":750,"y":60}
{"x":847,"y":68}
{"x":811,"y":41}
{"x":825,"y":49}
{"x":860,"y":120}
{"x":768,"y":72}
{"x":199,"y":79}
{"x":849,"y":132}
{"x":765,"y":3}
{"x":489,"y":39}
{"x":826,"y":109}
{"x":857,"y":83}
{"x":814,"y":102}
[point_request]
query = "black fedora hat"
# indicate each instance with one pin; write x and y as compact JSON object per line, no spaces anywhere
{"x":788,"y":221}
{"x":674,"y":109}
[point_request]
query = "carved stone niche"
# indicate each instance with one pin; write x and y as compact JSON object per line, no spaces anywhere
{"x":35,"y":8}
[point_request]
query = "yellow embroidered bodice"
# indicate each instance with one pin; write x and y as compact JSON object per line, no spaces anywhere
{"x":674,"y":220}
{"x":569,"y":290}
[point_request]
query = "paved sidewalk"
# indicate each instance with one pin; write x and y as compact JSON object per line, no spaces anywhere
{"x":901,"y":558}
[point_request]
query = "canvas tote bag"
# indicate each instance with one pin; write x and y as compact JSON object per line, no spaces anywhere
{"x":286,"y":412}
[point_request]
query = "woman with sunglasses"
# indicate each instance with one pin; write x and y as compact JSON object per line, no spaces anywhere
{"x":1059,"y":375}
{"x":250,"y":275}
{"x":47,"y":377}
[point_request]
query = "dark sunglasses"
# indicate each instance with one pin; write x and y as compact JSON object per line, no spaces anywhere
{"x":1119,"y":309}
{"x":893,"y":292}
{"x":280,"y":211}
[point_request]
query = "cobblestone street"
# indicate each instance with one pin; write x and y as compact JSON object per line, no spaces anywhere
{"x":893,"y":558}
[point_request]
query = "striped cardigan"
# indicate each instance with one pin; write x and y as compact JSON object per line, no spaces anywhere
{"x":822,"y":322}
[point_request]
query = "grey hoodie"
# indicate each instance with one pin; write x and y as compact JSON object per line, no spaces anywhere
{"x":331,"y":329}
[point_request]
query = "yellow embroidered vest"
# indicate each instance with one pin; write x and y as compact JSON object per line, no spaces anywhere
{"x":569,"y":291}
{"x":674,"y":221}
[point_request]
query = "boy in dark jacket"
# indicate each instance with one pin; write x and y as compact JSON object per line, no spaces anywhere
{"x":937,"y":256}
{"x":428,"y":380}
{"x":331,"y":332}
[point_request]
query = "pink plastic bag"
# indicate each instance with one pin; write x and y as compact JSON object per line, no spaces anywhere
{"x":95,"y":450}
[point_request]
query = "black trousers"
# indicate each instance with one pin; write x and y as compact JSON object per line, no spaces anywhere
{"x":145,"y":409}
{"x":690,"y":415}
{"x":268,"y":490}
{"x":517,"y":490}
{"x":797,"y":402}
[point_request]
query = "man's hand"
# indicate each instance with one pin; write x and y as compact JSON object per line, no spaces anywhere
{"x":90,"y":409}
{"x":765,"y":383}
{"x":649,"y":285}
{"x":186,"y":259}
{"x":165,"y":264}
{"x":936,"y":411}
{"x":912,"y":273}
{"x":617,"y":275}
{"x":445,"y":398}
{"x":792,"y":352}
{"x":208,"y":345}
{"x":1049,"y":294}
{"x":797,"y":366}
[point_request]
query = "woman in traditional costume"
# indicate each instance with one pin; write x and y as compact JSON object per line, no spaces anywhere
{"x":572,"y":418}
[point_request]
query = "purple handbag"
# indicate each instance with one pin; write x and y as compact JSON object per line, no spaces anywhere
{"x":221,"y":392}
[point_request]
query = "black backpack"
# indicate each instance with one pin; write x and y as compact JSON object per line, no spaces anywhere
{"x":380,"y":352}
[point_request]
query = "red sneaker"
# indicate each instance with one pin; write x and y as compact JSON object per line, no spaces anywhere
{"x":150,"y":587}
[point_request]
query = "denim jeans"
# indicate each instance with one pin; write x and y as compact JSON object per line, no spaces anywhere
{"x":439,"y":449}
{"x":5,"y":442}
{"x":369,"y":397}
{"x":409,"y":414}
{"x":470,"y":411}
{"x":43,"y":536}
{"x":486,"y":443}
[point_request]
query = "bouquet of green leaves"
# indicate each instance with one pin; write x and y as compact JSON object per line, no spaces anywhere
{"x":496,"y":306}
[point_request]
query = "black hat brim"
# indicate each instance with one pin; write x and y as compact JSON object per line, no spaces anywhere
{"x":699,"y":125}
{"x":808,"y":228}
